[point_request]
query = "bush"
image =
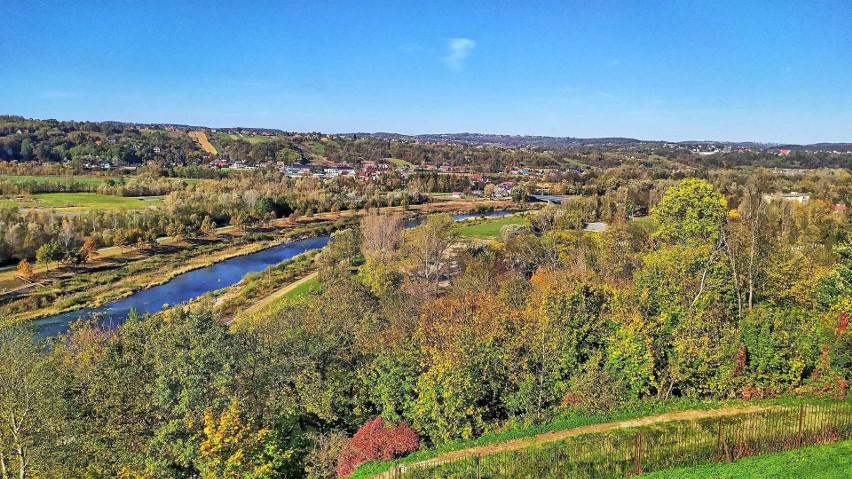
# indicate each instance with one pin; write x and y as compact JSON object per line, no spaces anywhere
{"x":375,"y":441}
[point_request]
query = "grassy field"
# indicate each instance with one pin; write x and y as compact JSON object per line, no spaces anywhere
{"x":249,"y":138}
{"x":304,"y":288}
{"x":84,"y":180}
{"x":827,"y":461}
{"x":491,"y":228}
{"x":202,"y":140}
{"x":318,"y":147}
{"x":398,"y":162}
{"x":76,"y":202}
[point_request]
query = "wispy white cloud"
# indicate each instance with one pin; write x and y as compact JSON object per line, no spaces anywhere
{"x":606,"y":95}
{"x":458,"y":49}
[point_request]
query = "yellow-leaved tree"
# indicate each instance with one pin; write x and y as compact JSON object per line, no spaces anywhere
{"x":234,"y":448}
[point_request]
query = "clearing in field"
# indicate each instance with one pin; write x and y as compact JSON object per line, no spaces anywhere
{"x":202,"y":140}
{"x":78,"y":202}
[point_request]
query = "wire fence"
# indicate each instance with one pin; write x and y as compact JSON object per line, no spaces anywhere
{"x":628,"y":452}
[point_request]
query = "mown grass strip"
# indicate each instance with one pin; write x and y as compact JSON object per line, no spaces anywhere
{"x":827,"y":461}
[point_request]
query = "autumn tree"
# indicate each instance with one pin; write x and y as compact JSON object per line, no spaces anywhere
{"x":208,"y":226}
{"x":176,"y":231}
{"x":232,"y":447}
{"x":238,"y":221}
{"x":382,"y":234}
{"x":25,"y":269}
{"x":427,"y":248}
{"x":488,"y":191}
{"x":89,"y":250}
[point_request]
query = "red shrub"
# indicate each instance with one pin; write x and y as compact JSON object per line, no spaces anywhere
{"x":376,"y":441}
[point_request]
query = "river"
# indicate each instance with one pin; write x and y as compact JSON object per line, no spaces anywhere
{"x":187,"y":286}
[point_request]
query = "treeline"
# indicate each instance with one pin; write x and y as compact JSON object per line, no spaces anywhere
{"x":771,"y":159}
{"x":89,"y":142}
{"x":132,"y":186}
{"x":79,"y":143}
{"x":243,"y":201}
{"x":444,"y":342}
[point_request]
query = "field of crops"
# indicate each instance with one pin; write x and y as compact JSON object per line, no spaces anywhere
{"x":626,"y":452}
{"x":202,"y":140}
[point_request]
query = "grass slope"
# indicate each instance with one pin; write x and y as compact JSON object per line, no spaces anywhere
{"x":827,"y":461}
{"x":305,"y":287}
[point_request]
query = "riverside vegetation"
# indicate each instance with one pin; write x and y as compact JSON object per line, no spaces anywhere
{"x":724,"y":294}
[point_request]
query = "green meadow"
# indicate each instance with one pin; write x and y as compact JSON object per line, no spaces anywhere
{"x":828,"y":461}
{"x":82,"y":201}
{"x":490,"y":228}
{"x":83,"y":180}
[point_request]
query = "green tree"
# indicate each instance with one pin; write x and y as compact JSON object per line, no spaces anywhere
{"x":25,"y":401}
{"x":690,"y":212}
{"x":519,"y":193}
{"x":344,"y":247}
{"x":48,"y":253}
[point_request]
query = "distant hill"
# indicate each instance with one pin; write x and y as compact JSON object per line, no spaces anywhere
{"x":531,"y":141}
{"x":511,"y":141}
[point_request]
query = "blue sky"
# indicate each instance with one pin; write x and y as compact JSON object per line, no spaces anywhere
{"x":771,"y":71}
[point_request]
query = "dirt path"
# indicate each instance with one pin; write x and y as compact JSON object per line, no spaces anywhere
{"x":554,"y":436}
{"x":266,"y":300}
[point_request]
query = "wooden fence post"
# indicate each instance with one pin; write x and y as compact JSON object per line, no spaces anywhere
{"x":801,"y":416}
{"x":638,"y":457}
{"x":719,"y":439}
{"x":558,"y":453}
{"x":478,"y":467}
